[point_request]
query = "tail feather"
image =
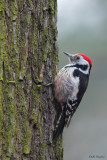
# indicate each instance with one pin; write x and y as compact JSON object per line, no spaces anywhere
{"x":65,"y":117}
{"x":60,"y":124}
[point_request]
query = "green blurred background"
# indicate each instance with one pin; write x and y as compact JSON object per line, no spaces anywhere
{"x":82,"y":27}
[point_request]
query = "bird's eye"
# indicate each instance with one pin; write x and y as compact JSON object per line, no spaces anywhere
{"x":78,"y":58}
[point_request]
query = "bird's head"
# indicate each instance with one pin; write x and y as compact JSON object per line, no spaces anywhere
{"x":81,"y":60}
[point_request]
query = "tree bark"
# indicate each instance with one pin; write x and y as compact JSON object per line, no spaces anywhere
{"x":28,"y":60}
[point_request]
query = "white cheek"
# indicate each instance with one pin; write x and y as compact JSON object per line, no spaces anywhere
{"x":85,"y":72}
{"x":84,"y":62}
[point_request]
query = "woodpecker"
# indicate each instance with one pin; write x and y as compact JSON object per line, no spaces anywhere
{"x":70,"y":85}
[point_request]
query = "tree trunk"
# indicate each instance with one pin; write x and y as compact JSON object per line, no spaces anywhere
{"x":28,"y":60}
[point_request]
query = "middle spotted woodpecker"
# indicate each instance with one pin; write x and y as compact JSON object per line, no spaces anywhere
{"x":70,"y":85}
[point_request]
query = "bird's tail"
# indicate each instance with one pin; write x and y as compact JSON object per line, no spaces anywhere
{"x":64,"y":119}
{"x":60,"y":124}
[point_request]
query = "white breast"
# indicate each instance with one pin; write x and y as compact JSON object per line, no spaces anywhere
{"x":66,"y":85}
{"x":75,"y":84}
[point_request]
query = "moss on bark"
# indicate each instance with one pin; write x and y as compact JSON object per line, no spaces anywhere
{"x":28,"y":58}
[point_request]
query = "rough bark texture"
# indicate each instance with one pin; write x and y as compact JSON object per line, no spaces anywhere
{"x":28,"y":56}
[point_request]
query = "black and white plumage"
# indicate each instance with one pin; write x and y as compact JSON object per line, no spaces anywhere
{"x":70,"y":85}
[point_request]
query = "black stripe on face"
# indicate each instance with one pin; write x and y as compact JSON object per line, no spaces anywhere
{"x":82,"y":67}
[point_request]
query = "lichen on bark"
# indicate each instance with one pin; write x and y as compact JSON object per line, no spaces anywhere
{"x":28,"y":59}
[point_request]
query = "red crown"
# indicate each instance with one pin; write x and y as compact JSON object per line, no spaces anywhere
{"x":86,"y":58}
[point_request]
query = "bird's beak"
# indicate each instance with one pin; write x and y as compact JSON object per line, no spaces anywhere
{"x":68,"y":54}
